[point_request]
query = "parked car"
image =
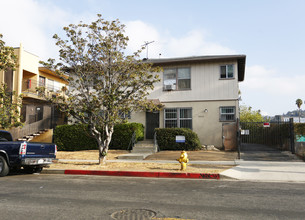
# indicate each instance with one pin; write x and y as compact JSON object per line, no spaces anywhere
{"x":30,"y":156}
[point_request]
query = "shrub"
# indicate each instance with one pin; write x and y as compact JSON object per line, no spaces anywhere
{"x":299,"y":129}
{"x":73,"y":138}
{"x":166,"y":138}
{"x":122,"y":134}
{"x":77,"y":137}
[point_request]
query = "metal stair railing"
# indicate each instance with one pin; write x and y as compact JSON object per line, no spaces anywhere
{"x":156,"y":146}
{"x":132,"y":142}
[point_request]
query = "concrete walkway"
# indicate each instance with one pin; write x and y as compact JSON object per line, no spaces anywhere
{"x":263,"y":163}
{"x":267,"y":171}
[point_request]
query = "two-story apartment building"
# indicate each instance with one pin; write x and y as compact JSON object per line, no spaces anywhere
{"x":37,"y":114}
{"x":200,"y":93}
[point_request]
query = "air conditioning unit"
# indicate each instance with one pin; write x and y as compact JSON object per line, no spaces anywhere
{"x":168,"y":87}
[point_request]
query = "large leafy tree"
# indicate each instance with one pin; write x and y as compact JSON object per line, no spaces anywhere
{"x":103,"y":82}
{"x":8,"y":59}
{"x":249,"y":115}
{"x":10,"y":102}
{"x":299,"y":103}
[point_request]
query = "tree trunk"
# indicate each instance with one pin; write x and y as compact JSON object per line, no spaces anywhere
{"x":103,"y":147}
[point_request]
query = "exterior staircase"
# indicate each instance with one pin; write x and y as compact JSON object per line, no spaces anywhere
{"x":28,"y":138}
{"x":140,"y":151}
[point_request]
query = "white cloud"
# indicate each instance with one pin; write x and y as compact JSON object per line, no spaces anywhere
{"x":270,"y":91}
{"x":193,"y":43}
{"x":272,"y":82}
{"x":34,"y":22}
{"x":139,"y":33}
{"x":31,"y":24}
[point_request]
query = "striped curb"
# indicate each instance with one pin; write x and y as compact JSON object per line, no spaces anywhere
{"x":135,"y":174}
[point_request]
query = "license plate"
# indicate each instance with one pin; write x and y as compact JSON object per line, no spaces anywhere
{"x":40,"y":161}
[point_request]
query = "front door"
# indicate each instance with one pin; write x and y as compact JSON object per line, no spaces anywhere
{"x":152,"y":122}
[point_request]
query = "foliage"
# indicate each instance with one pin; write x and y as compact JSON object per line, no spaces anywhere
{"x":103,"y":81}
{"x":122,"y":135}
{"x":299,"y":129}
{"x":249,"y":115}
{"x":8,"y":59}
{"x":299,"y":103}
{"x":10,"y":103}
{"x":166,"y":138}
{"x":77,"y":137}
{"x":74,"y":137}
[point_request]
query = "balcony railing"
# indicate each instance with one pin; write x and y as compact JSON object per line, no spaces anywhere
{"x":33,"y":88}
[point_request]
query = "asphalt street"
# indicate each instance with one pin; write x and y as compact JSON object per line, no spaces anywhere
{"x":99,"y":197}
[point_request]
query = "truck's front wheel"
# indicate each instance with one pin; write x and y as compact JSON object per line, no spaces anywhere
{"x":4,"y":169}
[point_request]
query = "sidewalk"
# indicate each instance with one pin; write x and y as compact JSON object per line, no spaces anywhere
{"x":148,"y":168}
{"x":203,"y":164}
{"x":240,"y":170}
{"x":267,"y":171}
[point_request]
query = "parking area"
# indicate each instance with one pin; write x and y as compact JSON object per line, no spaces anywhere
{"x":260,"y":152}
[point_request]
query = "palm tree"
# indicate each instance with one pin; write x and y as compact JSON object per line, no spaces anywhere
{"x":299,"y":103}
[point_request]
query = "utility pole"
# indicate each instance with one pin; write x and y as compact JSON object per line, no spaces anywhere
{"x":146,"y":46}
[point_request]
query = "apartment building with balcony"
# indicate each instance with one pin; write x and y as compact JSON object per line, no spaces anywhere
{"x":37,"y":113}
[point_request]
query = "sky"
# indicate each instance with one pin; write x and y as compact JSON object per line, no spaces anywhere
{"x":271,"y":33}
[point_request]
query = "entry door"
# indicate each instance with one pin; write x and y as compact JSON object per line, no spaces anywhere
{"x":152,"y":122}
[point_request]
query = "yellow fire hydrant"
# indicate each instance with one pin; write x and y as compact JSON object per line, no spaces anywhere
{"x":183,"y":160}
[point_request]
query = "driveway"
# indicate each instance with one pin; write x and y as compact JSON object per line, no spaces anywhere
{"x":259,"y":152}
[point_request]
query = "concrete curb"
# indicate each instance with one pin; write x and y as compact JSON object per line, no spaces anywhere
{"x":135,"y":174}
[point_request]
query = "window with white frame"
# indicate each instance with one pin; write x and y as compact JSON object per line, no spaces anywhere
{"x":178,"y":118}
{"x":177,"y":78}
{"x":227,"y":71}
{"x":227,"y":113}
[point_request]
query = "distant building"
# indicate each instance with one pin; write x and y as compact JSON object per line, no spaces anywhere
{"x":37,"y":114}
{"x":282,"y":118}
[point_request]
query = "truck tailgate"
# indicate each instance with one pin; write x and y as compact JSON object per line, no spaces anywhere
{"x":40,"y":150}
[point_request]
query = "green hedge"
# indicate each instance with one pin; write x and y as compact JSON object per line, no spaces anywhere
{"x":77,"y":137}
{"x":73,"y":137}
{"x":123,"y":133}
{"x":166,"y":138}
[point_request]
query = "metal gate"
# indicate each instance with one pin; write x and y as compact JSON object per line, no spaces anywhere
{"x":278,"y":135}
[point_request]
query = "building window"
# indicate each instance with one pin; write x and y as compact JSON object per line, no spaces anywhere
{"x":178,"y":118}
{"x":227,"y":113}
{"x":50,"y":85}
{"x":177,"y":78}
{"x":42,"y":81}
{"x":226,"y":71}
